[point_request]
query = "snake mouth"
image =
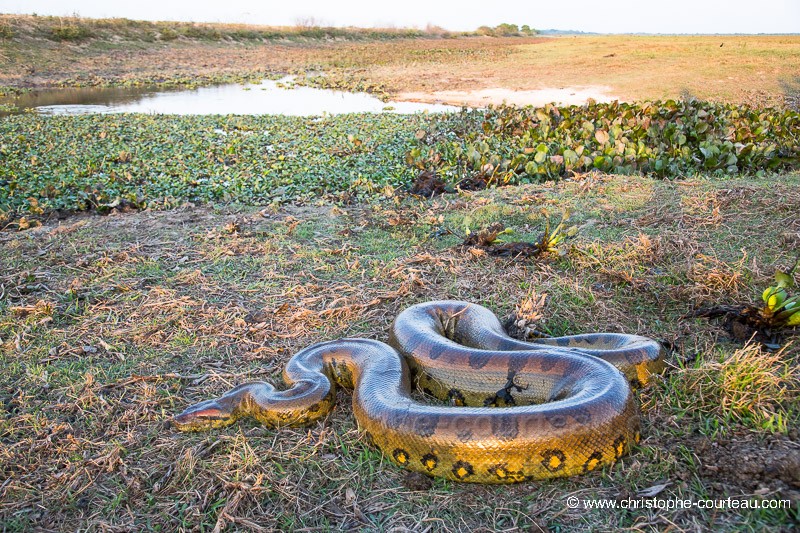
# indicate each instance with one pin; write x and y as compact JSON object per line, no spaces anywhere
{"x":202,"y":416}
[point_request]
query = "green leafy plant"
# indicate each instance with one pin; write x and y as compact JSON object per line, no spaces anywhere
{"x":761,"y":322}
{"x":780,"y":309}
{"x":494,"y":240}
{"x":551,"y":239}
{"x":663,"y":139}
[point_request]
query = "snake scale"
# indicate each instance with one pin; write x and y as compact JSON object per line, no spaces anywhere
{"x":566,"y":405}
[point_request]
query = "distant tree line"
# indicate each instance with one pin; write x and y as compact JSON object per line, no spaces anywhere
{"x":506,"y":30}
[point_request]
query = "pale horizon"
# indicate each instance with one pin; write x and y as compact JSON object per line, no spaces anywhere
{"x":619,"y":16}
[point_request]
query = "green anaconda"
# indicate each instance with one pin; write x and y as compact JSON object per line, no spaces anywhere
{"x":518,"y":410}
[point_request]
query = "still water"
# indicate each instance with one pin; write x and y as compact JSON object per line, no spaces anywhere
{"x":266,"y":98}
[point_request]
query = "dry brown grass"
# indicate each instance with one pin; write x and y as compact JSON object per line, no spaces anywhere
{"x":715,"y":280}
{"x":146,"y":312}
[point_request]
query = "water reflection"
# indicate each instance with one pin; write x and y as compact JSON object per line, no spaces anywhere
{"x":266,"y":98}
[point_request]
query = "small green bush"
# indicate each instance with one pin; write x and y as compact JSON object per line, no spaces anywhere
{"x":505,"y":30}
{"x":167,"y":34}
{"x":201,"y":32}
{"x":70,"y":32}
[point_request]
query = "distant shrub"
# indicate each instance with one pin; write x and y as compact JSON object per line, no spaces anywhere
{"x":316,"y":32}
{"x":245,"y":35}
{"x":201,"y":32}
{"x":506,"y":30}
{"x":167,"y":34}
{"x":270,"y":34}
{"x":70,"y":32}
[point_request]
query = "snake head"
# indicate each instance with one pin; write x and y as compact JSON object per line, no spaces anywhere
{"x":202,"y":416}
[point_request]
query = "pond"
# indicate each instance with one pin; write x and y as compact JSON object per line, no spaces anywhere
{"x":266,"y":98}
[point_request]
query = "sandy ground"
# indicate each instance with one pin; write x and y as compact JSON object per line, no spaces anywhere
{"x":499,"y":95}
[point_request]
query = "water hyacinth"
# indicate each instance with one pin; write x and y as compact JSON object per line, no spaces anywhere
{"x":92,"y":161}
{"x":88,"y":162}
{"x":666,"y":139}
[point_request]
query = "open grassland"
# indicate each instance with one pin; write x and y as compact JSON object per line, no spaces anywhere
{"x":749,"y":69}
{"x":110,"y":325}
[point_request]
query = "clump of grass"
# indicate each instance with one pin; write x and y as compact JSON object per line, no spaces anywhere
{"x":623,"y":262}
{"x":751,"y":387}
{"x":6,"y":32}
{"x":715,"y":279}
{"x":687,"y":95}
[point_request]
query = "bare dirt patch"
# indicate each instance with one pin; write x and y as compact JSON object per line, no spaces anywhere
{"x":499,"y":95}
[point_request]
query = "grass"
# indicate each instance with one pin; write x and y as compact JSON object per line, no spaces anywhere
{"x":748,"y":387}
{"x":110,"y":325}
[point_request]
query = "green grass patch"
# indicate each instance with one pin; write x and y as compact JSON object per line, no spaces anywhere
{"x":748,"y":386}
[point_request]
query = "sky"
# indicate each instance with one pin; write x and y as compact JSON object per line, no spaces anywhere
{"x":604,"y":16}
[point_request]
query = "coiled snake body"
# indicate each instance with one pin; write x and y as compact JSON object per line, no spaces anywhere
{"x":567,"y":407}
